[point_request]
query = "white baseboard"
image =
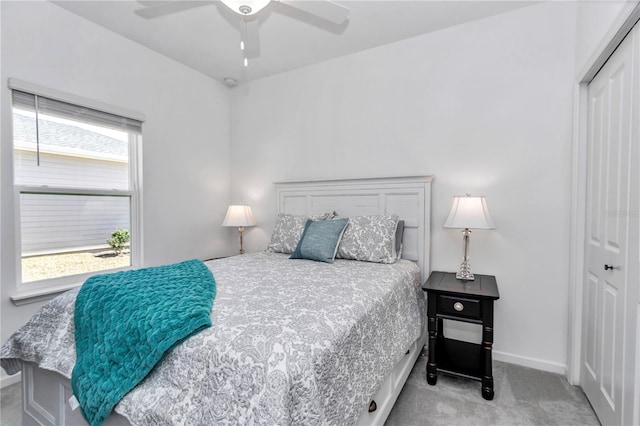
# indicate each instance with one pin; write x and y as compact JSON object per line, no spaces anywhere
{"x":473,"y":333}
{"x":7,"y":380}
{"x":538,"y":364}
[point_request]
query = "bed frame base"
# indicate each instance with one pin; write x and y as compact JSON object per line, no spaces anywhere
{"x":45,"y":400}
{"x":388,"y":392}
{"x":45,"y":395}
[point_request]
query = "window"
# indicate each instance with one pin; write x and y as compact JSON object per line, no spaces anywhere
{"x":75,"y":177}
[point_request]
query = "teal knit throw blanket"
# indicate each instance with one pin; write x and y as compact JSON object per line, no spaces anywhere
{"x":126,"y":322}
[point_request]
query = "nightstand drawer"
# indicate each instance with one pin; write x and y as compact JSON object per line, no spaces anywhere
{"x":459,"y":307}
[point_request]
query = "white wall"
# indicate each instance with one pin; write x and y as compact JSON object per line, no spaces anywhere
{"x":486,"y":107}
{"x":185,"y":136}
{"x":594,"y":20}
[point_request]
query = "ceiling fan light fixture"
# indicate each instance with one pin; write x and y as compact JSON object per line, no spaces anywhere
{"x":246,"y":7}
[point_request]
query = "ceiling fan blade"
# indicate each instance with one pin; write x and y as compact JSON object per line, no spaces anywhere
{"x":149,"y":3}
{"x":250,"y":37}
{"x":157,"y":9}
{"x":325,"y":9}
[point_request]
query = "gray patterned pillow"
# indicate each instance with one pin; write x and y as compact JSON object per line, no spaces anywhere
{"x":288,"y":231}
{"x":370,"y":239}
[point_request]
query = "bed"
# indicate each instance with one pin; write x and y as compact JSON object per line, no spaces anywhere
{"x":292,"y":341}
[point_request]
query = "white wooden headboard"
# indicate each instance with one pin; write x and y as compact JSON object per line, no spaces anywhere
{"x":408,"y":197}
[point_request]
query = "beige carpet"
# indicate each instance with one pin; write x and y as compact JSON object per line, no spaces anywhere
{"x":523,"y":396}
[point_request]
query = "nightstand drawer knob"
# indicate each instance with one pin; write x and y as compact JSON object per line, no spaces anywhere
{"x":458,"y":306}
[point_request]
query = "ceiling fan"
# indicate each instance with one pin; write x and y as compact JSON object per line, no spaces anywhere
{"x":326,"y":10}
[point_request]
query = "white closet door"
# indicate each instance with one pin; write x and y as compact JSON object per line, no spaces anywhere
{"x":607,"y":279}
{"x":632,"y":390}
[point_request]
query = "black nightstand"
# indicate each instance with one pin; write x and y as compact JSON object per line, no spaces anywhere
{"x":466,"y":301}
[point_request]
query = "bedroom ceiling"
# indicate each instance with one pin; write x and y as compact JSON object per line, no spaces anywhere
{"x":207,"y":38}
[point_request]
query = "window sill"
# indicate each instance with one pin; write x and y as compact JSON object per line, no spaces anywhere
{"x":39,"y":295}
{"x":38,"y":291}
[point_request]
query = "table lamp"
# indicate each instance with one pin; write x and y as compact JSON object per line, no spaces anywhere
{"x":240,"y":216}
{"x":468,"y":213}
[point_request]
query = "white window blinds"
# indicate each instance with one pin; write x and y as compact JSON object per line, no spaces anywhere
{"x":55,"y":108}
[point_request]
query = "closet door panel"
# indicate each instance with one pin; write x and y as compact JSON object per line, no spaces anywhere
{"x":632,"y":389}
{"x":604,"y":374}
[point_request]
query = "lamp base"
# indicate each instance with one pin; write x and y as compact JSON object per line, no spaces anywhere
{"x":465,"y":276}
{"x":240,"y":230}
{"x":465,"y":269}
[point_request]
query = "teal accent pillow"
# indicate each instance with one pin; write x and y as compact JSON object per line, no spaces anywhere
{"x":320,"y":239}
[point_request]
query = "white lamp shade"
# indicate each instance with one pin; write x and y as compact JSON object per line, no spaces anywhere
{"x":255,"y":6}
{"x":239,"y":215}
{"x":469,"y":212}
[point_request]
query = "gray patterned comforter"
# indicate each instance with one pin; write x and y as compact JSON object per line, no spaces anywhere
{"x":292,"y":342}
